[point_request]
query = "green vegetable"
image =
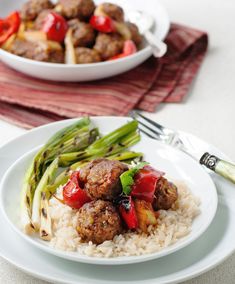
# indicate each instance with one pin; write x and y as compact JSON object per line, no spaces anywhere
{"x":71,"y":147}
{"x":46,"y":179}
{"x":72,"y":138}
{"x":127,"y":178}
{"x":113,"y":143}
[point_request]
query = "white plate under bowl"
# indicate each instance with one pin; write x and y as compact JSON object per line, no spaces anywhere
{"x":87,"y":72}
{"x":176,"y":164}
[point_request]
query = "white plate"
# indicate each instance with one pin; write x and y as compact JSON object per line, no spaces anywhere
{"x":209,"y":250}
{"x":174,"y":163}
{"x":87,"y":72}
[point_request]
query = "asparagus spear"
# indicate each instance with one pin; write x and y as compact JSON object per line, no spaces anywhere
{"x":46,"y":179}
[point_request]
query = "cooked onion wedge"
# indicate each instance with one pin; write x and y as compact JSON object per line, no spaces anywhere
{"x":34,"y":36}
{"x":123,"y":30}
{"x":7,"y":44}
{"x":21,"y":30}
{"x":58,"y":8}
{"x":99,"y":11}
{"x":70,"y":57}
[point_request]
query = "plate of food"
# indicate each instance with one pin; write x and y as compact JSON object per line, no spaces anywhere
{"x":100,"y":195}
{"x":78,"y":40}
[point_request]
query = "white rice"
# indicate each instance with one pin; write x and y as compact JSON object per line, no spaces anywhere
{"x":172,"y":225}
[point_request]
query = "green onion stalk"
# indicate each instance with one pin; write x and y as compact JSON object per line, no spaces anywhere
{"x":105,"y":146}
{"x":67,"y":139}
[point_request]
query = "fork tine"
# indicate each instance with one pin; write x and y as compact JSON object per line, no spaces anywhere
{"x":146,"y":133}
{"x":151,"y":129}
{"x":160,"y":128}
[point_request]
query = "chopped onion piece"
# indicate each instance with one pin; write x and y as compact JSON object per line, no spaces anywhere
{"x":34,"y":36}
{"x":8,"y":43}
{"x":70,"y":57}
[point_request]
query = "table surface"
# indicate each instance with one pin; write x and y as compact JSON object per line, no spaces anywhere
{"x":207,"y":112}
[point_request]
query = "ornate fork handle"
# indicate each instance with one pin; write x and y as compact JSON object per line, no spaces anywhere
{"x":221,"y":167}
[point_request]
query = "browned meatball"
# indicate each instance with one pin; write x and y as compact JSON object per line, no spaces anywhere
{"x":101,"y":178}
{"x":41,"y":19}
{"x":81,"y":9}
{"x":165,"y":195}
{"x":135,"y":35}
{"x":32,"y":8}
{"x":82,"y":33}
{"x":40,"y":51}
{"x":113,"y":11}
{"x":98,"y":221}
{"x":108,"y":45}
{"x":86,"y":55}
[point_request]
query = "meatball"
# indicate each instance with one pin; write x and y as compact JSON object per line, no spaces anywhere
{"x":135,"y":35}
{"x":108,"y":45}
{"x":165,"y":195}
{"x":98,"y":221}
{"x":32,"y":8}
{"x":113,"y":11}
{"x":82,"y":33}
{"x":40,"y":51}
{"x":81,"y":9}
{"x":38,"y":24}
{"x":86,"y":55}
{"x":101,"y":178}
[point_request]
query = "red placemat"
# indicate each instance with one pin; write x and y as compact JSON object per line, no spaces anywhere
{"x":30,"y":102}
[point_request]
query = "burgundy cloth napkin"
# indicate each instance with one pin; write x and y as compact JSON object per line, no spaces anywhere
{"x":30,"y":102}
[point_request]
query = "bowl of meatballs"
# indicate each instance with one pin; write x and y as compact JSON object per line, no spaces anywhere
{"x":75,"y":40}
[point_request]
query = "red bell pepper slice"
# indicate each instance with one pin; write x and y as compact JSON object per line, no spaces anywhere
{"x":128,"y":213}
{"x":55,"y":27}
{"x":103,"y":24}
{"x":128,"y":49}
{"x":9,"y":26}
{"x":145,"y":183}
{"x":73,"y":195}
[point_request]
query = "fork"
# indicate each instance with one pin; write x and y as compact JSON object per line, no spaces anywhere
{"x":187,"y":143}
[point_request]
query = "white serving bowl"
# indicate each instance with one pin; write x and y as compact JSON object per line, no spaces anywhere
{"x":93,"y":71}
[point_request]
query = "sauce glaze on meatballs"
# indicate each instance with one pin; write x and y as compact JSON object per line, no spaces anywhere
{"x":98,"y":221}
{"x":101,"y":178}
{"x":108,"y":45}
{"x":32,"y":8}
{"x":81,"y":9}
{"x":165,"y":195}
{"x":82,"y":33}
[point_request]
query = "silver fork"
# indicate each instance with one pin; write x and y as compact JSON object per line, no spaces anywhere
{"x":187,"y":143}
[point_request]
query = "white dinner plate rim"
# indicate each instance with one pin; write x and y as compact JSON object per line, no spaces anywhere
{"x":117,"y":260}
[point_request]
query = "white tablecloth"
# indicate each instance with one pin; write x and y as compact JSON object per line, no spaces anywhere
{"x":208,"y":111}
